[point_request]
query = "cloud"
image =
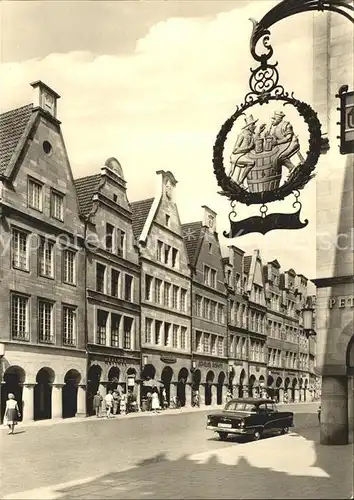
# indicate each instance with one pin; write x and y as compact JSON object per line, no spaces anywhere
{"x":162,"y":106}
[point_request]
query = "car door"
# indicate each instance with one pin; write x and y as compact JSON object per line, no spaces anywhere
{"x":274,"y":422}
{"x":263,"y":418}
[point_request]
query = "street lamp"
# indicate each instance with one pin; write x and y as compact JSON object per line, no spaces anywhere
{"x":307,"y":318}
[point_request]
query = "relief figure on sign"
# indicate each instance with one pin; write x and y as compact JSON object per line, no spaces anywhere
{"x":260,"y":153}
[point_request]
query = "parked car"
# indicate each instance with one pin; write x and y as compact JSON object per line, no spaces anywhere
{"x":250,"y":417}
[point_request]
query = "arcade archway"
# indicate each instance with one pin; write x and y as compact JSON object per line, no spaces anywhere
{"x":306,"y":387}
{"x":219,"y":389}
{"x":69,"y":393}
{"x":251,"y":386}
{"x":293,"y":389}
{"x":301,"y":388}
{"x":278,"y":384}
{"x":93,"y":383}
{"x":241,"y":383}
{"x":262,"y":387}
{"x":286,"y":389}
{"x":113,"y":378}
{"x":166,"y":378}
{"x":43,"y":394}
{"x":14,"y":377}
{"x":181,"y":386}
{"x":208,"y":387}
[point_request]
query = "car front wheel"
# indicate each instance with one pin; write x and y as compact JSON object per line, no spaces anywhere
{"x":256,"y":436}
{"x":285,"y":430}
{"x":222,"y":435}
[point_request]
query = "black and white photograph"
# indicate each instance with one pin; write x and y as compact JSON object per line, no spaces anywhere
{"x":176,"y":249}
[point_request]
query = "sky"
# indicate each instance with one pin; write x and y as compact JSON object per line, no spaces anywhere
{"x":151,"y":83}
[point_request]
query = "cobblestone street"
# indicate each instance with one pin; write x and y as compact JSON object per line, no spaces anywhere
{"x":171,"y":456}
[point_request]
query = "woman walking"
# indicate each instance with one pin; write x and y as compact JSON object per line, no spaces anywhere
{"x":12,"y":413}
{"x":155,"y":403}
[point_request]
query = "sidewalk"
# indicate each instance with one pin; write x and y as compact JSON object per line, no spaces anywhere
{"x":62,"y":421}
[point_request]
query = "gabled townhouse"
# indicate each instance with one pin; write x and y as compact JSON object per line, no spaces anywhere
{"x":42,"y":265}
{"x":112,"y":283}
{"x":238,"y":332}
{"x":209,"y":309}
{"x":165,"y":293}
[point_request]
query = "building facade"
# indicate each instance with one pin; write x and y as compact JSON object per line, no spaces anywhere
{"x":42,"y":294}
{"x":112,"y":283}
{"x":333,"y":67}
{"x":208,"y":310}
{"x":165,"y":297}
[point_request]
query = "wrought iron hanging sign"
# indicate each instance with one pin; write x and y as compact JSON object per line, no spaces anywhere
{"x":266,"y":163}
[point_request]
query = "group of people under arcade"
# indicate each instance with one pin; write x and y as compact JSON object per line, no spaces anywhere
{"x":115,"y":402}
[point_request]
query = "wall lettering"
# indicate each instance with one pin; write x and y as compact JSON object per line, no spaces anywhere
{"x":115,"y":362}
{"x":341,"y":302}
{"x":209,"y":364}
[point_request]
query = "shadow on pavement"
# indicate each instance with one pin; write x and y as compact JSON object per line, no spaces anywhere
{"x":322,"y":472}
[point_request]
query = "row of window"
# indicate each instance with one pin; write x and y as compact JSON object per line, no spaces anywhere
{"x":238,"y":347}
{"x":115,"y":330}
{"x":209,"y":277}
{"x":209,"y":309}
{"x":167,"y":255}
{"x":208,"y":343}
{"x":165,"y":334}
{"x":164,"y":293}
{"x":274,"y":357}
{"x":20,"y":320}
{"x":36,"y":190}
{"x":20,"y":255}
{"x":114,"y":283}
{"x":257,"y":351}
{"x":257,"y":295}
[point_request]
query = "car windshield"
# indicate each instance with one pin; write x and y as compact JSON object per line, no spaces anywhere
{"x":247,"y":407}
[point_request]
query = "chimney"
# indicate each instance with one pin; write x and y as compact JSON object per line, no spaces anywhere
{"x":209,"y":219}
{"x":166,"y":185}
{"x":45,"y":98}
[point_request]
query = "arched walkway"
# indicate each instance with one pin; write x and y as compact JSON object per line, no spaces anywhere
{"x":208,"y":387}
{"x":278,"y":384}
{"x":14,"y":377}
{"x":219,"y":390}
{"x":293,"y":389}
{"x":166,"y":378}
{"x":231,"y":381}
{"x":113,"y":378}
{"x":148,"y":375}
{"x":181,"y":386}
{"x":262,"y":387}
{"x":241,"y":384}
{"x":286,"y":389}
{"x":43,"y":394}
{"x":306,"y":387}
{"x":301,"y":389}
{"x":131,"y":379}
{"x":69,"y":393}
{"x":196,"y":379}
{"x":251,"y":385}
{"x":93,"y":383}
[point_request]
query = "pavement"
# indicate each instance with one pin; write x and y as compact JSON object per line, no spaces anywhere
{"x":171,"y":455}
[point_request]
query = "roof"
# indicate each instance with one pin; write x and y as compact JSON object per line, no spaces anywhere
{"x":275,"y":263}
{"x":291,"y":272}
{"x":86,"y":187}
{"x":247,"y":263}
{"x":12,"y":127}
{"x":140,"y":212}
{"x":253,"y":401}
{"x":191,"y":232}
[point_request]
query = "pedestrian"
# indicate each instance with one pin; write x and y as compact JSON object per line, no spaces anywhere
{"x":155,"y":403}
{"x":97,"y":401}
{"x":12,"y":412}
{"x":149,"y":401}
{"x":109,"y":403}
{"x":164,"y":399}
{"x":115,"y":402}
{"x":228,"y":396}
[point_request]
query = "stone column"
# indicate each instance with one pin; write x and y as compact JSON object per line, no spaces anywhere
{"x":281,"y":394}
{"x":351,"y":408}
{"x":334,"y":410}
{"x":213,"y":394}
{"x":297,"y":395}
{"x":137,"y":389}
{"x":188,"y":395}
{"x":28,"y":402}
{"x":202,"y":394}
{"x":57,"y":401}
{"x":173,"y":391}
{"x":245,"y":391}
{"x":224,"y":394}
{"x":81,"y":401}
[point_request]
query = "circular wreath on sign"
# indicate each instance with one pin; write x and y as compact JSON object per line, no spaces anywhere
{"x":298,"y":178}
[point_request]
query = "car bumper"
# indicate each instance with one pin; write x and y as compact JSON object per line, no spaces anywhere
{"x":240,"y":431}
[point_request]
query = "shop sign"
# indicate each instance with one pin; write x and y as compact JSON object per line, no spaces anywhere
{"x":168,"y":361}
{"x":111,"y":360}
{"x":210,"y":364}
{"x":341,"y":302}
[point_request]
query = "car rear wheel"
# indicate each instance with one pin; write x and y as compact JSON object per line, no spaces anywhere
{"x":285,"y":430}
{"x":222,"y":435}
{"x":256,"y":436}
